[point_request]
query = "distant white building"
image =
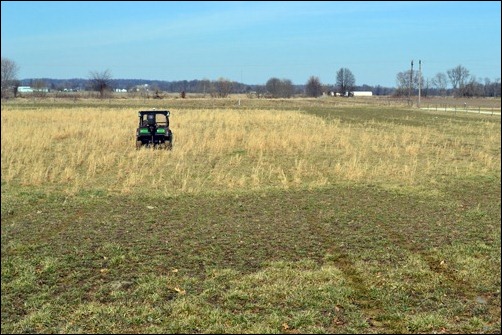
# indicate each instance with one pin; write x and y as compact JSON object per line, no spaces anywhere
{"x":29,"y":89}
{"x":362,"y":93}
{"x":24,"y":89}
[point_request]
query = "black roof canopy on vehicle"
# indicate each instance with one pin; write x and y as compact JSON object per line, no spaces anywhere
{"x":163,"y":112}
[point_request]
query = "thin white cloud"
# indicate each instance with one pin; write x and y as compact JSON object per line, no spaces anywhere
{"x":208,"y":23}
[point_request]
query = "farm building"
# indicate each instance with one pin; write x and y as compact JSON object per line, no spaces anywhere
{"x":362,"y":93}
{"x":358,"y":94}
{"x":28,"y":89}
{"x":25,"y":89}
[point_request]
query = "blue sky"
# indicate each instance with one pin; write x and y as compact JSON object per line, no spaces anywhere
{"x":251,"y":42}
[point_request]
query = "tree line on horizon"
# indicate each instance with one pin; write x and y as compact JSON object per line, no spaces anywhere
{"x":455,"y":82}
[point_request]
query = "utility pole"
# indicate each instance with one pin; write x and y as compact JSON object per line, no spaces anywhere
{"x":419,"y":80}
{"x":411,"y":80}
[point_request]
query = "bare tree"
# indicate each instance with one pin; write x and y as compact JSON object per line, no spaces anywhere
{"x":280,"y":88}
{"x":458,"y":76}
{"x":9,"y":77}
{"x":345,"y":80}
{"x":287,"y":88}
{"x":273,"y":87}
{"x":100,"y":81}
{"x":223,"y":87}
{"x":472,"y":88}
{"x":492,"y":89}
{"x":403,"y":82}
{"x":440,"y":82}
{"x":313,"y":88}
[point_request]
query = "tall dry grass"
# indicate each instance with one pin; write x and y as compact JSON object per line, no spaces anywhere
{"x":233,"y":149}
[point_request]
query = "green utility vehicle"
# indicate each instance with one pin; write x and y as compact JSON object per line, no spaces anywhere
{"x":153,"y":130}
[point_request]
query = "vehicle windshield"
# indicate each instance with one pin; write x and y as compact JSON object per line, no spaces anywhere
{"x":160,"y":119}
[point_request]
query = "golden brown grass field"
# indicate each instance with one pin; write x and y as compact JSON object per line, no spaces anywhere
{"x":225,"y":149}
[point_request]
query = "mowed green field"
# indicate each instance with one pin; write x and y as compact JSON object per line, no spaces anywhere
{"x":268,"y":216}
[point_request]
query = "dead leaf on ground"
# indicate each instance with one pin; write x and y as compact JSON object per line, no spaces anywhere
{"x":179,"y":290}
